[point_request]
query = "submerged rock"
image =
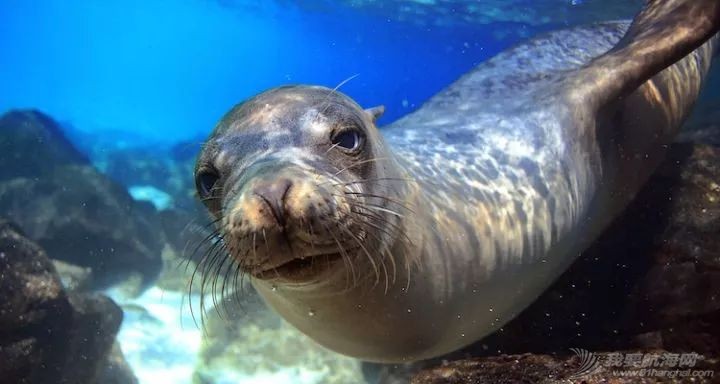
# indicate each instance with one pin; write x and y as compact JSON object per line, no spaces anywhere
{"x":116,"y":369}
{"x":48,"y":335}
{"x":73,"y":277}
{"x":161,"y":200}
{"x":32,"y":145}
{"x":545,"y":369}
{"x":650,"y":282}
{"x":155,"y":166}
{"x":73,"y":211}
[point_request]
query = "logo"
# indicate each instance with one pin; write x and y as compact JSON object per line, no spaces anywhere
{"x":636,"y":364}
{"x":589,"y":363}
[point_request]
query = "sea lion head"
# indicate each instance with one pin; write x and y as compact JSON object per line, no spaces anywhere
{"x":292,"y":178}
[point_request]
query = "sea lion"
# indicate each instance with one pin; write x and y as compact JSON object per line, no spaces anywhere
{"x":412,"y":241}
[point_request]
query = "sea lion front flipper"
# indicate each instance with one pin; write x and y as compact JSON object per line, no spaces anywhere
{"x":664,"y":32}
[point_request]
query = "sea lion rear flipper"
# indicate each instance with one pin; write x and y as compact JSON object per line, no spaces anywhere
{"x":664,"y":32}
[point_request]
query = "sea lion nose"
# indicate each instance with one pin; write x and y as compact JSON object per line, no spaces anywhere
{"x":274,"y":193}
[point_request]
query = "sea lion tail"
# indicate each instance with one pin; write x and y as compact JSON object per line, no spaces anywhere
{"x":664,"y":32}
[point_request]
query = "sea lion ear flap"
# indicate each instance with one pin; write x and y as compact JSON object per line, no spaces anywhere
{"x":375,"y":112}
{"x":664,"y":32}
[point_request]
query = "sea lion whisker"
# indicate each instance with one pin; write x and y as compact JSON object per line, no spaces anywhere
{"x":187,"y":227}
{"x":254,"y":247}
{"x":397,"y":233}
{"x":218,"y":248}
{"x":360,"y":208}
{"x":386,"y":198}
{"x":212,"y":239}
{"x":234,"y":286}
{"x":375,"y":179}
{"x":336,"y":183}
{"x":213,"y":234}
{"x":212,"y":223}
{"x":391,"y":233}
{"x":219,"y":298}
{"x":215,"y":193}
{"x":209,"y":198}
{"x":190,"y":304}
{"x":213,"y":257}
{"x":229,"y":283}
{"x":327,"y":97}
{"x":369,"y":256}
{"x":332,"y":147}
{"x":360,"y":162}
{"x":369,"y":204}
{"x":309,"y":230}
{"x":209,"y":278}
{"x":365,"y":209}
{"x":385,"y":223}
{"x":267,"y":246}
{"x":227,"y":264}
{"x":382,"y":209}
{"x":240,"y":281}
{"x":351,"y":277}
{"x":383,"y":252}
{"x":347,"y":262}
{"x":191,"y":281}
{"x":199,"y":266}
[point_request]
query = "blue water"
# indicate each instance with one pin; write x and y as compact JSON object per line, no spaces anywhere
{"x":169,"y":69}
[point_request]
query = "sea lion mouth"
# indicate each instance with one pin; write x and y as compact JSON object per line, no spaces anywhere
{"x":300,"y":268}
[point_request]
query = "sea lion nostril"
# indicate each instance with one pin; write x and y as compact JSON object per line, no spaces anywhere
{"x":274,"y":193}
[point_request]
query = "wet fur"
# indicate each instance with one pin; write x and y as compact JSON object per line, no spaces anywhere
{"x":499,"y":181}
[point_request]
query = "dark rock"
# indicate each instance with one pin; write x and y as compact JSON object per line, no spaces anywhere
{"x":144,"y":162}
{"x":75,"y":212}
{"x":529,"y":368}
{"x":679,"y":296}
{"x":32,"y":144}
{"x":116,"y":370}
{"x":46,"y":334}
{"x":167,"y":169}
{"x":141,"y":162}
{"x":651,"y":281}
{"x":73,"y":277}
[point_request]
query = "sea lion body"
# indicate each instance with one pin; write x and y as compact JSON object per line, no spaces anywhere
{"x":503,"y":179}
{"x":509,"y":190}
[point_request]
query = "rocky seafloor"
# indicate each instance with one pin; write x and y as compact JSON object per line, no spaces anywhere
{"x":97,"y":251}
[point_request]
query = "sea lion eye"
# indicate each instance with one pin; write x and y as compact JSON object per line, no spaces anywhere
{"x":349,"y":139}
{"x":205,"y":181}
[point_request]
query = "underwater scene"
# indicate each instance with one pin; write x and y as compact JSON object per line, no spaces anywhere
{"x":359,"y":191}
